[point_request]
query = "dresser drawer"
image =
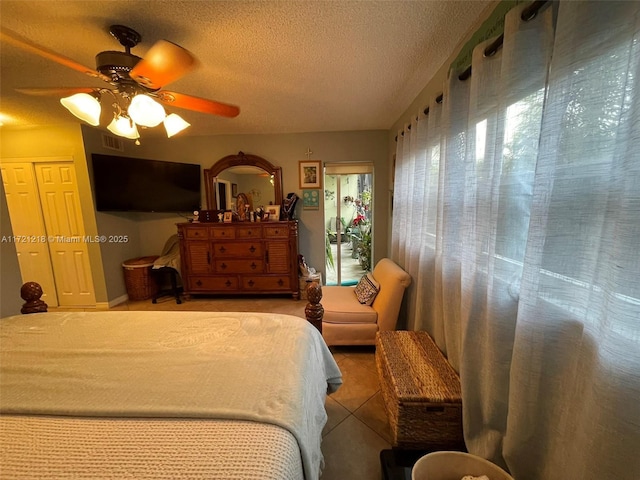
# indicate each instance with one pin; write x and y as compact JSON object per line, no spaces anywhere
{"x":223,"y":232}
{"x":240,"y":258}
{"x":266,"y":283}
{"x":239,"y":265}
{"x":276,"y":231}
{"x":196,"y":232}
{"x":206,"y":283}
{"x":237,"y":249}
{"x":251,"y":231}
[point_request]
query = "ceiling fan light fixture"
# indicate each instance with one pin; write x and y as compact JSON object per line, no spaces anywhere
{"x":85,"y":106}
{"x":123,"y":127}
{"x":174,"y":124}
{"x":145,"y":111}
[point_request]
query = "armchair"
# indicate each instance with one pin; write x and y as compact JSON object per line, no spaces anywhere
{"x":348,"y":322}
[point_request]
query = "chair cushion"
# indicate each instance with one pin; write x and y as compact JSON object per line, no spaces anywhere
{"x":367,"y":289}
{"x":341,"y":306}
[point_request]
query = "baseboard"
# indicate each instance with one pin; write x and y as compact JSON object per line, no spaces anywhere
{"x":117,"y":301}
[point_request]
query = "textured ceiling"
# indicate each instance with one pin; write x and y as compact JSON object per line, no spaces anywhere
{"x":291,"y":66}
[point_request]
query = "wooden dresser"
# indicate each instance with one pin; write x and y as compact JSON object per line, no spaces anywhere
{"x":240,"y":258}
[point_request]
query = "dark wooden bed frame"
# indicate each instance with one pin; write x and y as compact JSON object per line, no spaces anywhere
{"x":32,"y":291}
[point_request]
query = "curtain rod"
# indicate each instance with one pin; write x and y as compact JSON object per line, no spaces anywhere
{"x":439,"y":99}
{"x":527,"y":14}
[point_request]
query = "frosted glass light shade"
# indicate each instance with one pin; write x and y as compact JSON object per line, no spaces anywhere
{"x":84,"y":106}
{"x":124,"y":127}
{"x":175,"y":124}
{"x":145,"y":111}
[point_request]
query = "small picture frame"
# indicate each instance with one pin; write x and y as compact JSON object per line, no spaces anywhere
{"x":265,"y":216}
{"x":310,"y":173}
{"x":234,"y":190}
{"x":228,"y":217}
{"x":311,"y":200}
{"x":274,"y":212}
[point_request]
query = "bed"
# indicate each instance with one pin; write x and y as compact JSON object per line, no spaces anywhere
{"x":162,"y":395}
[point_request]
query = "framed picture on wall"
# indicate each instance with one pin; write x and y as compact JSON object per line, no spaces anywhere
{"x":311,"y":200}
{"x":310,"y":173}
{"x":234,"y":190}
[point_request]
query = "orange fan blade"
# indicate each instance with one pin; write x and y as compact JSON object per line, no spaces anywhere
{"x":197,"y":104}
{"x":16,"y":40}
{"x":59,"y":92}
{"x":164,"y":63}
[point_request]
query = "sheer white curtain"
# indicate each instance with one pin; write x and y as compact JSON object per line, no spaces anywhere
{"x":528,"y":269}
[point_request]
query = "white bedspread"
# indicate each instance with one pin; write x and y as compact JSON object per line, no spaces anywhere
{"x":249,"y":366}
{"x":90,"y":448}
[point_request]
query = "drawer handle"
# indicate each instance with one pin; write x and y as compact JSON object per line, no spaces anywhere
{"x":228,"y":283}
{"x":250,"y":282}
{"x":222,"y":249}
{"x":252,"y":249}
{"x":277,"y":232}
{"x":223,"y":266}
{"x":253,"y":266}
{"x":199,"y":283}
{"x":435,"y":409}
{"x":280,"y":282}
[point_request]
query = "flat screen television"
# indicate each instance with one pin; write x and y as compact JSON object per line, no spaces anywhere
{"x":123,"y":184}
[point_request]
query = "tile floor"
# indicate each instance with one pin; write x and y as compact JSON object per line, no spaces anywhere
{"x":357,"y":429}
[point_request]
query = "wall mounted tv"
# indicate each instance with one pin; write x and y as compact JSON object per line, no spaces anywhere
{"x":124,"y":184}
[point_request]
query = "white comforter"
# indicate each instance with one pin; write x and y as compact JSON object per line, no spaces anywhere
{"x":249,"y":366}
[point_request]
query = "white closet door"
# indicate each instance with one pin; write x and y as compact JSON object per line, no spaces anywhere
{"x":27,"y":224}
{"x":65,"y":228}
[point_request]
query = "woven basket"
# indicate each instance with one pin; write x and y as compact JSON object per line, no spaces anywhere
{"x":138,"y":280}
{"x":421,"y":391}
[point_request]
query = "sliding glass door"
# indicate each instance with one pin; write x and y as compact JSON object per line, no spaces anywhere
{"x":348,"y":220}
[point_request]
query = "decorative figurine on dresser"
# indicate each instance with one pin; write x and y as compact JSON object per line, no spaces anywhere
{"x":242,"y":256}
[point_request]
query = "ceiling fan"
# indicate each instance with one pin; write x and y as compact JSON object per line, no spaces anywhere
{"x":136,"y":84}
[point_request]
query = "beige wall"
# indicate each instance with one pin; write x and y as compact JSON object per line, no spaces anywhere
{"x":10,"y":280}
{"x":148,"y":232}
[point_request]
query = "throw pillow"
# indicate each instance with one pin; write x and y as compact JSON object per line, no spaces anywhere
{"x":367,"y":289}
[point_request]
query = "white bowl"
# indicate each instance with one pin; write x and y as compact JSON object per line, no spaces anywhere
{"x":454,"y":466}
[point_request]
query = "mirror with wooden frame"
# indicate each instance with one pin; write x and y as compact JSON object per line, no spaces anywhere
{"x":264,"y":183}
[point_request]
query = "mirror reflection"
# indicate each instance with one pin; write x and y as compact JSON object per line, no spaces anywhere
{"x":248,"y":185}
{"x":258,"y":179}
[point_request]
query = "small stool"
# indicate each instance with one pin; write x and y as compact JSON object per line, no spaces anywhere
{"x":161,"y":274}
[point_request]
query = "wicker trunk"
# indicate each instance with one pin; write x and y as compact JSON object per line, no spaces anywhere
{"x":421,"y":392}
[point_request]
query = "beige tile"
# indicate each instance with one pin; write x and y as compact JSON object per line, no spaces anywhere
{"x":374,"y":415}
{"x":364,"y":356}
{"x":336,"y":413}
{"x":338,"y":356}
{"x":352,"y":452}
{"x":360,"y":384}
